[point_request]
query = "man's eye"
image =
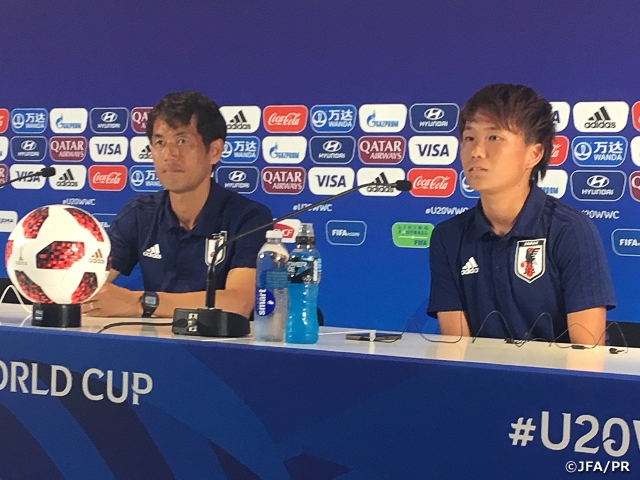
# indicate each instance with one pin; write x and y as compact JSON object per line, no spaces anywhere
{"x":467,"y":138}
{"x":493,"y":137}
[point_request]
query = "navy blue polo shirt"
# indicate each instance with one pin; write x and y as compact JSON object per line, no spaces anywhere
{"x":172,"y":259}
{"x":551,"y":262}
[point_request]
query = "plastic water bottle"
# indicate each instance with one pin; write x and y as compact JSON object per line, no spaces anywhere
{"x":271,"y":303}
{"x":305,"y":270}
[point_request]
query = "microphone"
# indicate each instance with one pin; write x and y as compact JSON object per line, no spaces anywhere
{"x":45,"y":172}
{"x":213,"y":322}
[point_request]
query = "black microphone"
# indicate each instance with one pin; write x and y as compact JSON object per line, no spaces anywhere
{"x":213,"y":322}
{"x":45,"y":172}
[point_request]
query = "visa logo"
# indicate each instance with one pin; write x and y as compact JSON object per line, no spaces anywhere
{"x":109,"y":149}
{"x":331,"y":180}
{"x":433,"y":150}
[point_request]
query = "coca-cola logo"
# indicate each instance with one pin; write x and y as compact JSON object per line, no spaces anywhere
{"x":284,"y":180}
{"x":432,"y":182}
{"x":285,"y":118}
{"x":68,"y":149}
{"x":560,"y":150}
{"x":4,"y":119}
{"x":108,"y":177}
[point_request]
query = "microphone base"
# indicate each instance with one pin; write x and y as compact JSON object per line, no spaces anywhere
{"x":56,"y":315}
{"x":209,"y":322}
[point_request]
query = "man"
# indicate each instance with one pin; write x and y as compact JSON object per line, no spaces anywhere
{"x":520,"y":264}
{"x":167,"y":231}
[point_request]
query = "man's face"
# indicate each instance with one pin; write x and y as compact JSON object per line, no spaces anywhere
{"x":180,"y":158}
{"x":495,"y":160}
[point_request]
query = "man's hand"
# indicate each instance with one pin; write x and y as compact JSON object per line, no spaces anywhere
{"x":113,"y":301}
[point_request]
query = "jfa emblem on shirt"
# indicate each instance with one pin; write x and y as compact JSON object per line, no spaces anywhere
{"x":214,"y":242}
{"x":530,"y":259}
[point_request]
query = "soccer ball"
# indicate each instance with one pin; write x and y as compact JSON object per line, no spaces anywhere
{"x":58,"y":254}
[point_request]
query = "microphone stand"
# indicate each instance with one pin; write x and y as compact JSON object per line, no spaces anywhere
{"x":213,"y":322}
{"x":45,"y":172}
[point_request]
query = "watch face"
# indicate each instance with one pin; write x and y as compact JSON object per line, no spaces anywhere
{"x":150,"y":300}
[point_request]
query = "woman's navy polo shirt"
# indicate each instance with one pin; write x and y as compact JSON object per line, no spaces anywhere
{"x":146,"y":231}
{"x":551,"y":262}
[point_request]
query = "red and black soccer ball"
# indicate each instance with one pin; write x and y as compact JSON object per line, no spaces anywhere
{"x":58,"y":254}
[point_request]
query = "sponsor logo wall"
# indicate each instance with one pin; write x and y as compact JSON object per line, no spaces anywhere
{"x":324,"y":149}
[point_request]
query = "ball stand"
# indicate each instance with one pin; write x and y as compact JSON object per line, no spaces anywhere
{"x":56,"y":315}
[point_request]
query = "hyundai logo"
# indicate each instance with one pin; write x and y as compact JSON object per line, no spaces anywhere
{"x":434,"y":113}
{"x":28,"y":145}
{"x":109,"y":117}
{"x":598,"y":181}
{"x":137,"y":178}
{"x":331,"y":146}
{"x":319,"y":118}
{"x":18,"y":120}
{"x":237,"y":176}
{"x":582,"y":151}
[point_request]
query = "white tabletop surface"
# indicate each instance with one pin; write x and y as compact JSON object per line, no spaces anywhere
{"x":332,"y":339}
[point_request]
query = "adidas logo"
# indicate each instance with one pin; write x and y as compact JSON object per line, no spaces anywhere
{"x":382,"y":186}
{"x":67,"y":180}
{"x":600,"y":119}
{"x":470,"y":267}
{"x":145,"y":154}
{"x":239,"y":122}
{"x":153,"y":252}
{"x":97,"y":257}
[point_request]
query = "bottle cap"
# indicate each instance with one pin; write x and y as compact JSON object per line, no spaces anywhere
{"x":305,"y":235}
{"x":274,"y":234}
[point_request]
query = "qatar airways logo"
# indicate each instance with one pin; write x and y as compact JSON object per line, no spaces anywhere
{"x":432,"y":182}
{"x":111,"y":178}
{"x":285,"y":118}
{"x":67,"y":149}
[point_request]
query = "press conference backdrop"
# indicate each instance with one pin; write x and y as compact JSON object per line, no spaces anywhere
{"x":318,"y":98}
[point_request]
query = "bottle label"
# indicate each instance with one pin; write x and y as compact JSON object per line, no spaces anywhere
{"x":265,"y":302}
{"x":277,"y":278}
{"x":304,"y":271}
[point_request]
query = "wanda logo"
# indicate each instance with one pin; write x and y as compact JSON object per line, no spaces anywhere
{"x":432,"y":182}
{"x":108,"y":177}
{"x":285,"y":118}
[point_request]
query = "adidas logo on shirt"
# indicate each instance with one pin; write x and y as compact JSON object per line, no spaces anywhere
{"x":470,"y":267}
{"x":153,"y":252}
{"x":97,"y":257}
{"x":239,"y":122}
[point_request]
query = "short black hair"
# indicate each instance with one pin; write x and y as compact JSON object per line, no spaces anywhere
{"x":179,"y":107}
{"x":516,"y":108}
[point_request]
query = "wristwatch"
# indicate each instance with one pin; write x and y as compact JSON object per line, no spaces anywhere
{"x":149,"y":302}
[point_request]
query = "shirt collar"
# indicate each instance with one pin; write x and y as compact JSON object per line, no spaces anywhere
{"x":526,"y":221}
{"x":210,"y":210}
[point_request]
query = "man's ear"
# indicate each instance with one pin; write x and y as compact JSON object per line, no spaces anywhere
{"x":215,"y":151}
{"x":534,"y":154}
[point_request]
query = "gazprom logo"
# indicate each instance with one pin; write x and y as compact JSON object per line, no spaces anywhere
{"x":336,"y":150}
{"x":382,"y":118}
{"x":434,"y":117}
{"x":333,"y":118}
